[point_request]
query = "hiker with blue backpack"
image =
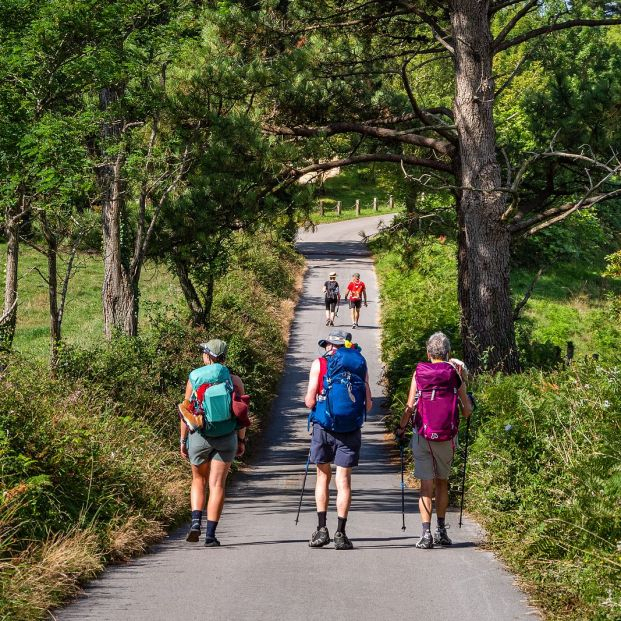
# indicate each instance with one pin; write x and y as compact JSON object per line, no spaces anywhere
{"x":212,"y":434}
{"x":339,"y":397}
{"x":437,"y":393}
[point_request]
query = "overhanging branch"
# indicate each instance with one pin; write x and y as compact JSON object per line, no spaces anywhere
{"x":380,"y":133}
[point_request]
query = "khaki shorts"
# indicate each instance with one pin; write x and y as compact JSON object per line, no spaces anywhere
{"x":432,"y":460}
{"x":202,"y":449}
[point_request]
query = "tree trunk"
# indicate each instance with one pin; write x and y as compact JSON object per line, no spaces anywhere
{"x":197,"y":310}
{"x":118,"y":294}
{"x":9,"y":314}
{"x":484,"y":242}
{"x":52,"y":287}
{"x":119,"y":298}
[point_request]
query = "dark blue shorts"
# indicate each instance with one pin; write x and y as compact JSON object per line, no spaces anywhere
{"x":341,"y":449}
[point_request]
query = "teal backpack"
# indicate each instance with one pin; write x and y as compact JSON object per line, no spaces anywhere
{"x":212,"y":394}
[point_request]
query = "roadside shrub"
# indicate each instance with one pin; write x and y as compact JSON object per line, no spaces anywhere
{"x":544,"y":480}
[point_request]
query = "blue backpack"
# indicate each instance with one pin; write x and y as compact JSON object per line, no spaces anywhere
{"x":341,"y":406}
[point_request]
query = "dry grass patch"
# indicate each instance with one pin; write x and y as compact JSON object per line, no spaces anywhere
{"x":46,"y":574}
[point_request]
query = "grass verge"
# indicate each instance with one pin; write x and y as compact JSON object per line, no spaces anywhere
{"x":89,"y":465}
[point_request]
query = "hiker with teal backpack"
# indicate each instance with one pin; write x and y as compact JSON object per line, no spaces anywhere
{"x":339,"y":396}
{"x":211,"y":435}
{"x":437,"y":393}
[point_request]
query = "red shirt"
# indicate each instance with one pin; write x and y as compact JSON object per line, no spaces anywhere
{"x":355,"y":290}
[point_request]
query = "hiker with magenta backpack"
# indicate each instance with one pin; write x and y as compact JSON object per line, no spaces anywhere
{"x":339,"y":396}
{"x":332,"y":295}
{"x":437,"y":393}
{"x":214,"y":418}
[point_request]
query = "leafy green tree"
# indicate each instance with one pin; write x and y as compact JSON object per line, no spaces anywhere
{"x":414,"y":83}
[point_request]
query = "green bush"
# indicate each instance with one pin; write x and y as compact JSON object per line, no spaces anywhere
{"x":545,"y":478}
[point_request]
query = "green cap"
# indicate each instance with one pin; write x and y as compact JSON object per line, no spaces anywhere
{"x":216,"y":348}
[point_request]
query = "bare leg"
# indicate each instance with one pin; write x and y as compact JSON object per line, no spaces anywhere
{"x":426,"y":499}
{"x":198,"y":493}
{"x":343,"y":486}
{"x":322,"y":487}
{"x":217,"y":482}
{"x":441,"y":497}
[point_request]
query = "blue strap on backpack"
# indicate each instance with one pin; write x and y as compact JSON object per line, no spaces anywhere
{"x":342,"y":406}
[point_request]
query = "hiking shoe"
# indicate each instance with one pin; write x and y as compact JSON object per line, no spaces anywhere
{"x":327,"y":322}
{"x":426,"y":541}
{"x":211,"y":543}
{"x":320,"y":538}
{"x":342,"y":542}
{"x":440,"y":538}
{"x":194,"y":535}
{"x":353,"y":325}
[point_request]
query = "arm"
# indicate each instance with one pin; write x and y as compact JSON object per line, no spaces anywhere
{"x":311,"y":391}
{"x":238,"y":385}
{"x":464,"y":400}
{"x":409,"y":408}
{"x":183,"y":430}
{"x":369,"y":397}
{"x":364,"y":294}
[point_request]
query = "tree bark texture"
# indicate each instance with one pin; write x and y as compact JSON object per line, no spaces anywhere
{"x":484,"y":241}
{"x":195,"y":305}
{"x":9,"y":314}
{"x":52,"y":287}
{"x":120,"y":302}
{"x":119,"y":295}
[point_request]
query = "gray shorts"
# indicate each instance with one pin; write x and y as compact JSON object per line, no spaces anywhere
{"x":202,"y":449}
{"x":432,"y":460}
{"x":342,"y":449}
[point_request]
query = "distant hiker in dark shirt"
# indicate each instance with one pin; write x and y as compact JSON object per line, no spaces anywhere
{"x":437,"y":391}
{"x":357,"y":295}
{"x":336,"y":436}
{"x":211,"y":448}
{"x":332,"y":295}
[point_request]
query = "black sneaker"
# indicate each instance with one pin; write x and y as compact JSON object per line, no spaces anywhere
{"x":342,"y":542}
{"x":440,"y":538}
{"x":327,"y":322}
{"x":195,"y":534}
{"x":426,"y":541}
{"x":320,"y":538}
{"x":211,"y":543}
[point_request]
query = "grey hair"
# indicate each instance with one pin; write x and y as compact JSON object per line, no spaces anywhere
{"x":438,"y":346}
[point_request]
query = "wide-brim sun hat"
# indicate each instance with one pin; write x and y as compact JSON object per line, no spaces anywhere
{"x":332,"y":274}
{"x":336,"y":337}
{"x":216,"y":348}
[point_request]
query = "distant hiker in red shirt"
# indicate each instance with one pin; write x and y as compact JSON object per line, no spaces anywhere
{"x":332,"y":295}
{"x":357,"y":295}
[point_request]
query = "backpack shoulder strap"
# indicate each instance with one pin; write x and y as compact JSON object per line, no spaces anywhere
{"x":323,"y":369}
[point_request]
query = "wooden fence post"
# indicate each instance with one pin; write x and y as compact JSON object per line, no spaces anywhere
{"x":391,"y":202}
{"x":338,"y":208}
{"x":375,"y":203}
{"x":321,"y":207}
{"x":357,"y":206}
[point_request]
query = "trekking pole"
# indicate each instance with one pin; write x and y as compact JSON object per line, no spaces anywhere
{"x":402,"y":486}
{"x":463,"y":476}
{"x":303,"y":486}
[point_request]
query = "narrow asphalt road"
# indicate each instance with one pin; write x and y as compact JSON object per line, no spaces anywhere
{"x":265,"y":569}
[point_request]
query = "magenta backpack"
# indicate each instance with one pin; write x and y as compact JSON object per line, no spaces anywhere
{"x":437,"y":413}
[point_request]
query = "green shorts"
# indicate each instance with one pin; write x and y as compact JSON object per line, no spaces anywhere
{"x":432,"y":460}
{"x":202,"y":449}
